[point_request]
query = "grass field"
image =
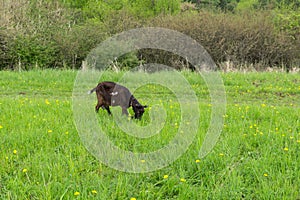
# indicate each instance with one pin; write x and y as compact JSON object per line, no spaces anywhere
{"x":256,"y":157}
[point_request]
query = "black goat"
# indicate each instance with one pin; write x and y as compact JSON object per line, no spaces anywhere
{"x":112,"y":94}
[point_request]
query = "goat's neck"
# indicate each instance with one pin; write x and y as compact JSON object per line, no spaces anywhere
{"x":134,"y":101}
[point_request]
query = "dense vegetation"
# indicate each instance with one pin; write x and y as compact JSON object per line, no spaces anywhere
{"x":59,"y":34}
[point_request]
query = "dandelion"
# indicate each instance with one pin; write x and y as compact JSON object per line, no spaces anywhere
{"x":263,"y":105}
{"x":1,"y":126}
{"x":50,"y":131}
{"x":182,"y":180}
{"x":132,"y":198}
{"x":67,"y":132}
{"x":265,"y":175}
{"x":76,"y":193}
{"x":197,"y":161}
{"x":47,"y":102}
{"x":221,"y":154}
{"x":15,"y":151}
{"x":24,"y":170}
{"x":94,"y":192}
{"x":143,"y":161}
{"x":166,"y":176}
{"x":286,"y":149}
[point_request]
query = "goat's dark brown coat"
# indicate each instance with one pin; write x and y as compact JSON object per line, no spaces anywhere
{"x":112,"y":94}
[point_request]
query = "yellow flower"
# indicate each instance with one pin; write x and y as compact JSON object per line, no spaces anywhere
{"x":76,"y":193}
{"x":298,"y":141}
{"x":265,"y":174}
{"x":47,"y":102}
{"x":24,"y":170}
{"x":182,"y":180}
{"x":15,"y":151}
{"x":286,"y":149}
{"x":50,"y":131}
{"x":166,"y":176}
{"x":263,"y":105}
{"x":221,"y":154}
{"x":1,"y":126}
{"x":197,"y":161}
{"x":143,"y":161}
{"x":94,"y":192}
{"x":132,"y":198}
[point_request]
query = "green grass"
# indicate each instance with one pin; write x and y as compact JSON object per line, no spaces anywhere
{"x":256,"y":157}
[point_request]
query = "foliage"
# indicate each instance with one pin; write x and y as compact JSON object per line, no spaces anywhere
{"x":32,"y":52}
{"x":240,"y":38}
{"x":60,"y":34}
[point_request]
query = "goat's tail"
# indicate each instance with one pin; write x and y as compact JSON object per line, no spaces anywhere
{"x":93,"y":90}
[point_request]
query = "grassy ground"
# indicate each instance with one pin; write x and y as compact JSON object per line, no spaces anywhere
{"x":256,"y":157}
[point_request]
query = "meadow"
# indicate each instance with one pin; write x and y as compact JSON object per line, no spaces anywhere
{"x":256,"y":157}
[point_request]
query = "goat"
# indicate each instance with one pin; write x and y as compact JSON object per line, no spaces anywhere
{"x":112,"y":94}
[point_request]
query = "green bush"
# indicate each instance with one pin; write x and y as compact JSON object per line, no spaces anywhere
{"x":61,"y":33}
{"x":31,"y":52}
{"x":240,"y":38}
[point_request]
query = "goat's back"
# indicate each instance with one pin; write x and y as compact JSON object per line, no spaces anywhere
{"x":114,"y":94}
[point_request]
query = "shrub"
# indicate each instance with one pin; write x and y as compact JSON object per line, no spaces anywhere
{"x":31,"y":52}
{"x":242,"y":38}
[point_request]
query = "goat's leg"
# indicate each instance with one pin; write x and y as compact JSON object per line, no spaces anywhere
{"x":107,"y":109}
{"x":100,"y":102}
{"x":124,"y":111}
{"x":97,"y":107}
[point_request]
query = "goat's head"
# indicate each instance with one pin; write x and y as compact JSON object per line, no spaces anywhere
{"x":138,"y":110}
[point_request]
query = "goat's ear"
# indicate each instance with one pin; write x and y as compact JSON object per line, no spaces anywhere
{"x":145,"y":106}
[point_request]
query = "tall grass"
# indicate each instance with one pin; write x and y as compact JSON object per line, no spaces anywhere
{"x":256,"y":157}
